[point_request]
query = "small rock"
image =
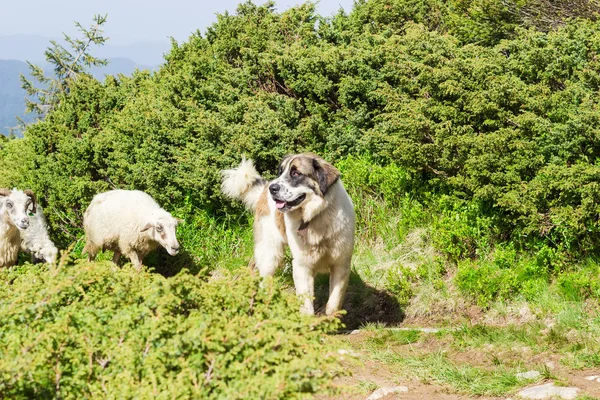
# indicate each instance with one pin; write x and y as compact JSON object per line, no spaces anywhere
{"x":550,"y":365}
{"x":548,"y":391}
{"x":344,"y":352}
{"x":382,"y":392}
{"x":593,"y":378}
{"x":528,"y":375}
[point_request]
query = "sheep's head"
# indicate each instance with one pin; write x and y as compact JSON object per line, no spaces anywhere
{"x":16,"y":204}
{"x":163,"y":228}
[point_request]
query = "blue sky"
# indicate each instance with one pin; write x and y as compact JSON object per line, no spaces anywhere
{"x":129,"y":21}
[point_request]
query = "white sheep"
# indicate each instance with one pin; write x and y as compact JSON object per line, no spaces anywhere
{"x":128,"y":222}
{"x":14,"y":207}
{"x":35,"y":239}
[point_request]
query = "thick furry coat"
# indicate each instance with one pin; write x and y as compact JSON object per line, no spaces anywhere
{"x":14,"y":209}
{"x":307,"y":208}
{"x":128,"y":222}
{"x":10,"y":242}
{"x":35,"y":239}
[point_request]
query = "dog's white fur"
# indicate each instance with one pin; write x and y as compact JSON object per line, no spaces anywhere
{"x":319,"y":230}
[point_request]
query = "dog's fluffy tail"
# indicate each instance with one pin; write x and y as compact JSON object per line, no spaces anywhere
{"x":243,"y":183}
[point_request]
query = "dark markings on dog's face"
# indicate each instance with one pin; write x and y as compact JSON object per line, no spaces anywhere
{"x":283,"y":164}
{"x":310,"y":170}
{"x":298,"y":176}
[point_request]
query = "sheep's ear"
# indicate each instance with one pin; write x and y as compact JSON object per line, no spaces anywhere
{"x":146,"y":227}
{"x":3,"y":193}
{"x":31,"y":195}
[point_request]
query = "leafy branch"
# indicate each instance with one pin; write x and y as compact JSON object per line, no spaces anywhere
{"x":44,"y":94}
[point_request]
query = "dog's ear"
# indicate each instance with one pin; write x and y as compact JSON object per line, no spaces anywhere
{"x":31,"y":195}
{"x":327,"y":174}
{"x":282,"y":164}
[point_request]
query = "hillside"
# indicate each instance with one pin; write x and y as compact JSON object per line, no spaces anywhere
{"x":467,"y":134}
{"x":12,"y":96}
{"x":31,"y":47}
{"x":12,"y":102}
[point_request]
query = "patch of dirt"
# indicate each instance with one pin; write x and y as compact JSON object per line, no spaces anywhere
{"x":375,"y":373}
{"x":369,"y":375}
{"x":577,"y":378}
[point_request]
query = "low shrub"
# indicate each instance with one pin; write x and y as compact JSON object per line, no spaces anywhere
{"x":462,"y":230}
{"x":506,"y":275}
{"x":577,"y":285}
{"x":93,"y":330}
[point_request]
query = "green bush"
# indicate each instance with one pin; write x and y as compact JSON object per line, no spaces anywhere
{"x":462,"y":230}
{"x":507,"y":275}
{"x":93,"y":330}
{"x":440,"y":98}
{"x":577,"y":285}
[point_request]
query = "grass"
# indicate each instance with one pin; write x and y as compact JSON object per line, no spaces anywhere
{"x":506,"y":310}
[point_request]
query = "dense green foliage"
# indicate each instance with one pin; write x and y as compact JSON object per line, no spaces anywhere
{"x":465,"y":125}
{"x":98,"y":331}
{"x":509,"y":129}
{"x":68,"y":65}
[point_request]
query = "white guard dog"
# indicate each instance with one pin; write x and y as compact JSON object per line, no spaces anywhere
{"x":307,"y":208}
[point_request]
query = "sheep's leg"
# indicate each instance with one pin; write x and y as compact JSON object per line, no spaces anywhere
{"x":91,"y":250}
{"x":116,"y":257}
{"x":136,"y":260}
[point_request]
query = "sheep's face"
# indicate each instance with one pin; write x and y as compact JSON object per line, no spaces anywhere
{"x":16,"y":204}
{"x":163,"y":230}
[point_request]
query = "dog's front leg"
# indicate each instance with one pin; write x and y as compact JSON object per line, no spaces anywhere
{"x":304,"y":280}
{"x":338,"y":283}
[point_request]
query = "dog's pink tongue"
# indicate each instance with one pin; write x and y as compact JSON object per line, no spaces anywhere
{"x":279,"y":204}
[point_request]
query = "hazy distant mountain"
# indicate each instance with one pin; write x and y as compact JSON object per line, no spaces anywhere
{"x":143,"y":53}
{"x":32,"y":47}
{"x":16,"y":49}
{"x":12,"y":96}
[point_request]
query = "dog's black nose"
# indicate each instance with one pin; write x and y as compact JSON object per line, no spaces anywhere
{"x":274,"y":188}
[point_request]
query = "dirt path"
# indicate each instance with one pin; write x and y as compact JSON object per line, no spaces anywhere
{"x":368,"y":375}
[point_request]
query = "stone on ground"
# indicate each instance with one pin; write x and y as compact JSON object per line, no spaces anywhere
{"x":382,"y":392}
{"x":528,"y":375}
{"x":549,"y":391}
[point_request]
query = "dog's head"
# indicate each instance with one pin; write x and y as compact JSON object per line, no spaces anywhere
{"x":302,"y":178}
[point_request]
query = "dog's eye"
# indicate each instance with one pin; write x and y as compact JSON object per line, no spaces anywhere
{"x":295,"y":172}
